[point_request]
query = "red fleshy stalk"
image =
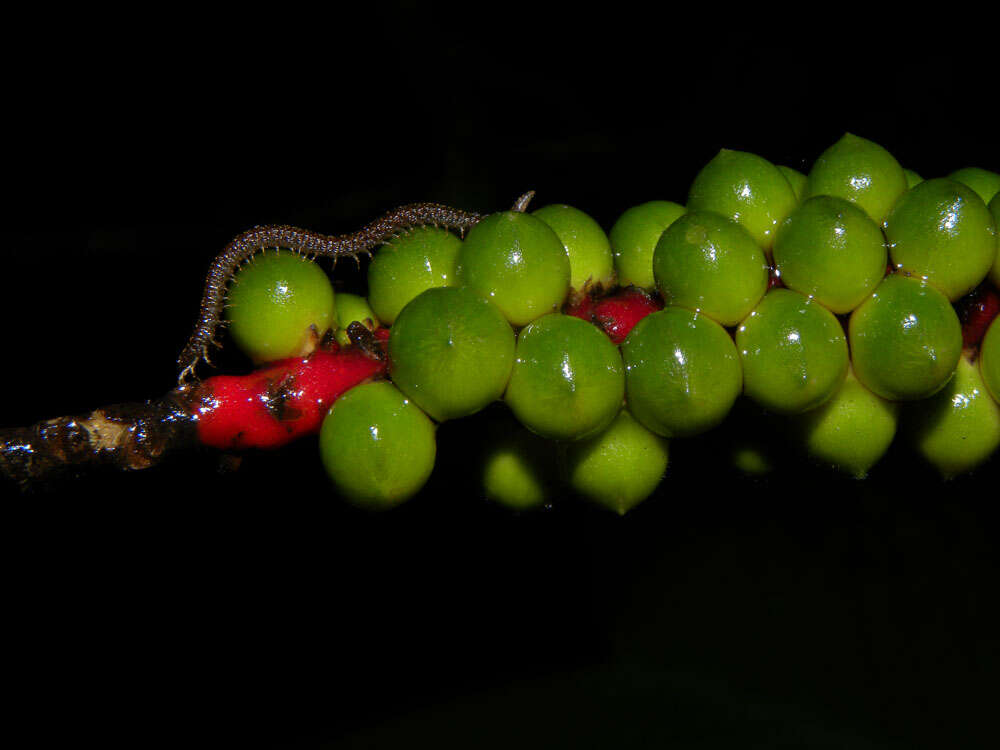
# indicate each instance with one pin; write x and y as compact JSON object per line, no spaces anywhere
{"x":619,"y":313}
{"x":976,"y":311}
{"x":278,"y":403}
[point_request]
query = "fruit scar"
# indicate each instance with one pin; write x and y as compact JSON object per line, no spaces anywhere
{"x":265,"y":409}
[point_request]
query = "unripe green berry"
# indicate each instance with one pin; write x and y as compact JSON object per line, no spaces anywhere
{"x":590,"y":261}
{"x":377,"y":447}
{"x":279,"y":305}
{"x":746,"y":188}
{"x":634,"y":237}
{"x":620,"y":467}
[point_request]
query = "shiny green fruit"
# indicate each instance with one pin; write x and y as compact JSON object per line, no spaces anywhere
{"x":377,"y":446}
{"x":451,"y":352}
{"x":912,"y":179}
{"x":706,"y":262}
{"x":634,"y":237}
{"x":985,"y":183}
{"x":518,"y":263}
{"x":995,"y":210}
{"x":794,"y":353}
{"x":941,"y":230}
{"x":905,"y":339}
{"x":796,"y":179}
{"x":746,"y":188}
{"x":422,"y":258}
{"x":860,"y":171}
{"x":989,"y":359}
{"x":852,"y":430}
{"x":959,"y":428}
{"x":620,"y":467}
{"x":279,"y":305}
{"x":830,"y":249}
{"x":682,"y":372}
{"x":518,"y":467}
{"x":568,"y":381}
{"x":591,"y":264}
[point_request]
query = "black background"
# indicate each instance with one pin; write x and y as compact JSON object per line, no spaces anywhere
{"x":191,"y":605}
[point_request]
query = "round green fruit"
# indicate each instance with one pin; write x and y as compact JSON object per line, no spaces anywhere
{"x":591,"y":264}
{"x":905,"y":339}
{"x":518,"y":263}
{"x":912,"y":179}
{"x":746,"y":188}
{"x":279,"y":305}
{"x":568,"y":381}
{"x":518,"y":466}
{"x":420,"y":259}
{"x":706,"y":262}
{"x":985,"y":183}
{"x":634,"y":237}
{"x":830,"y":249}
{"x":995,"y":210}
{"x":620,"y":467}
{"x":794,"y":353}
{"x":860,"y":171}
{"x":941,"y":230}
{"x":377,"y":447}
{"x":682,"y":372}
{"x":852,"y":430}
{"x":796,"y":179}
{"x":451,"y":351}
{"x":353,"y":308}
{"x":989,"y":359}
{"x":959,"y":428}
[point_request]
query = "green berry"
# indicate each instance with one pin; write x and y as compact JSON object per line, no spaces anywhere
{"x":830,"y":249}
{"x":905,"y":339}
{"x":682,"y":372}
{"x":985,"y":183}
{"x":852,"y":430}
{"x":568,"y":381}
{"x":860,"y":171}
{"x":634,"y":237}
{"x":620,"y":467}
{"x":746,"y":188}
{"x":420,"y":259}
{"x":941,"y":230}
{"x":518,"y":470}
{"x":989,"y":359}
{"x":353,"y":308}
{"x":995,"y":210}
{"x":591,"y":264}
{"x":794,"y":353}
{"x":377,"y":447}
{"x":912,"y":179}
{"x":706,"y":262}
{"x":279,"y":305}
{"x":796,"y":179}
{"x":451,"y":352}
{"x":518,"y":263}
{"x":959,"y":428}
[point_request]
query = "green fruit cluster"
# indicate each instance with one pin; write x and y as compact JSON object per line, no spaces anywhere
{"x":826,"y":298}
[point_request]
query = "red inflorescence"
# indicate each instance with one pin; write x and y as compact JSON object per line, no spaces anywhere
{"x":619,"y":313}
{"x":280,"y":402}
{"x":977,"y":311}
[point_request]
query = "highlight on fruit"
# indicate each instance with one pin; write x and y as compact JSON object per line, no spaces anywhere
{"x":848,"y":308}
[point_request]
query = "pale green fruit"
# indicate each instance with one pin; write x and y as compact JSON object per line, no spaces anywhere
{"x":591,"y":264}
{"x":959,"y":428}
{"x":353,"y":308}
{"x":634,"y":237}
{"x":620,"y":467}
{"x":796,"y":179}
{"x":852,"y":430}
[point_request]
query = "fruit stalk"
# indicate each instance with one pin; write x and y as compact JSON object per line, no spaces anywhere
{"x":266,"y":409}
